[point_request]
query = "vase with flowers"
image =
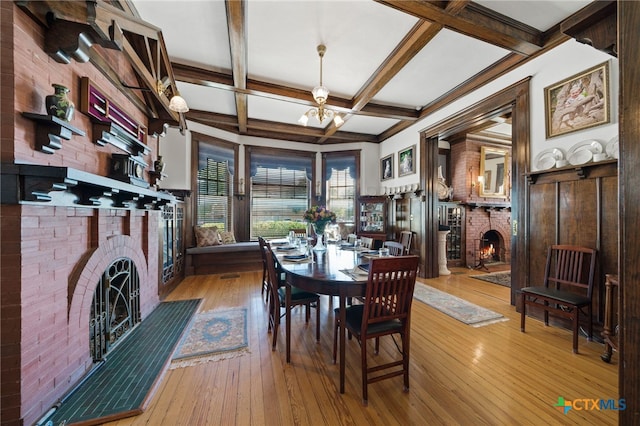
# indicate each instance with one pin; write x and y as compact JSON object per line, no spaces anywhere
{"x":319,"y":217}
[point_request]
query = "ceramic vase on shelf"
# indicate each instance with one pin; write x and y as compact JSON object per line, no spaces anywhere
{"x":59,"y":105}
{"x":318,"y":228}
{"x":158,"y":165}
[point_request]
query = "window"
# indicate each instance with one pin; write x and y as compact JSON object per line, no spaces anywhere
{"x":214,"y":186}
{"x":340,"y":175}
{"x":341,"y":189}
{"x":280,"y":192}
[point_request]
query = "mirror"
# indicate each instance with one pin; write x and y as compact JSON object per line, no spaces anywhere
{"x":493,"y":179}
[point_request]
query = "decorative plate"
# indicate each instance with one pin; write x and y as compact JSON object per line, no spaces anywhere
{"x":612,"y":148}
{"x":546,"y":159}
{"x":591,"y":145}
{"x":580,"y":157}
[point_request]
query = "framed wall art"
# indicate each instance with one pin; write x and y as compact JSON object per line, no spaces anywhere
{"x":406,"y":161}
{"x":386,"y":167}
{"x":578,"y":102}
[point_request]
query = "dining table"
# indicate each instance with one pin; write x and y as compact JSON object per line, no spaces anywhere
{"x":333,"y":272}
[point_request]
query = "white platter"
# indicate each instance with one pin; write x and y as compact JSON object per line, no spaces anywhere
{"x":580,"y":157}
{"x":612,"y":148}
{"x":546,"y":159}
{"x":590,"y":145}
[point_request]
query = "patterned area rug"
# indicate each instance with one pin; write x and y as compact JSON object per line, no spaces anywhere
{"x":455,"y":307}
{"x":212,"y":336}
{"x":502,"y":278}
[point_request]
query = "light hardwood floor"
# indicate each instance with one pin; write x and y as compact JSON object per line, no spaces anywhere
{"x":460,"y":375}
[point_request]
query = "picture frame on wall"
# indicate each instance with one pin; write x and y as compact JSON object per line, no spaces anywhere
{"x":406,"y":161}
{"x":386,"y":167}
{"x":578,"y":102}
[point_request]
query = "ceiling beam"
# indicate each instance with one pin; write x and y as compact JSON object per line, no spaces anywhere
{"x":475,"y":23}
{"x":237,"y":25}
{"x":222,"y":81}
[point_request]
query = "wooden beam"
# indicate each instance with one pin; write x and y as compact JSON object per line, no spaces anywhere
{"x":236,"y":24}
{"x":477,"y":24}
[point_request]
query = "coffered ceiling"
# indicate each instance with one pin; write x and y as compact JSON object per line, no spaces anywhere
{"x":248,"y":67}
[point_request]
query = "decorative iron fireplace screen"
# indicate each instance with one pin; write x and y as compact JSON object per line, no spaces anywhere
{"x":116,"y":307}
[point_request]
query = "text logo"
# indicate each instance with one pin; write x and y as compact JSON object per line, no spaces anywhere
{"x":589,"y":404}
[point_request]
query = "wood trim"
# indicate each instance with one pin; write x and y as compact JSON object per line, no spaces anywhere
{"x":516,"y":98}
{"x":629,"y":210}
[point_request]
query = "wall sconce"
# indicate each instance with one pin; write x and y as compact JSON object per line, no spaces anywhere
{"x":318,"y":190}
{"x":240,"y":193}
{"x":473,"y":183}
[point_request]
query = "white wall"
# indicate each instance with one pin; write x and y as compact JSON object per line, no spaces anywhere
{"x":562,"y":62}
{"x":566,"y":60}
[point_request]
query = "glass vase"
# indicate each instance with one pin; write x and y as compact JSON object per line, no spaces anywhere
{"x":59,"y":105}
{"x":318,"y":228}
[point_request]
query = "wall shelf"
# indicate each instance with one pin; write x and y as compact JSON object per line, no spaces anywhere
{"x":51,"y":131}
{"x":64,"y":186}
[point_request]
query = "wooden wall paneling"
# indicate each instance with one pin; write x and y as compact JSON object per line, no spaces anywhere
{"x":629,"y":211}
{"x":577,"y":213}
{"x":608,"y":233}
{"x":574,"y":208}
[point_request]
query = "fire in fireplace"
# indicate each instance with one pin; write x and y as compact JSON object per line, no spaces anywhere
{"x":490,"y":247}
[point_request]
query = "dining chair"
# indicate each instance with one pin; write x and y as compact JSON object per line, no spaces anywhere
{"x":567,"y":288}
{"x":299,"y":232}
{"x":351,"y":238}
{"x":395,"y":248}
{"x":386,"y":310}
{"x":277,"y":299}
{"x":265,"y":284}
{"x":405,"y":240}
{"x":366,"y":242}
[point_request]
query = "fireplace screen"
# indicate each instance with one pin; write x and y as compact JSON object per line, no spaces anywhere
{"x":116,"y":307}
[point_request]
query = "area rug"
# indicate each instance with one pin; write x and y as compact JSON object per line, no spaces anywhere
{"x":455,"y":307}
{"x":212,"y":336}
{"x":502,"y":278}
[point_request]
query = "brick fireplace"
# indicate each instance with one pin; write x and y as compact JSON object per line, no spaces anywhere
{"x":63,"y":224}
{"x":488,"y":235}
{"x":485,"y":218}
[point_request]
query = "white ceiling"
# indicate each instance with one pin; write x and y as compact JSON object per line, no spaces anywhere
{"x":281,"y":39}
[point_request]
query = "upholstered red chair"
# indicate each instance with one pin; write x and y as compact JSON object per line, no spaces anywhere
{"x":386,"y":310}
{"x":567,"y":288}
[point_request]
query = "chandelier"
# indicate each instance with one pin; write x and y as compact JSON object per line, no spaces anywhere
{"x":320,"y":94}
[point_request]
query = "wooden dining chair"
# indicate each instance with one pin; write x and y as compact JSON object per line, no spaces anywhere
{"x":395,"y":248}
{"x":265,"y":284}
{"x":366,"y":242}
{"x":386,"y":310}
{"x":405,"y":240}
{"x":351,"y":238}
{"x":277,"y":299}
{"x":299,"y":232}
{"x":567,"y":288}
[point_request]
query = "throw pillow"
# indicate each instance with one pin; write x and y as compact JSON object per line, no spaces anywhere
{"x":207,"y":236}
{"x":227,"y":237}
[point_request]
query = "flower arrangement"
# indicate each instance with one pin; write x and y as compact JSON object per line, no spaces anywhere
{"x":319,"y":217}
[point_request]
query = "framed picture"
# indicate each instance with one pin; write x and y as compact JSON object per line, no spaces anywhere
{"x":579,"y":102}
{"x":386,"y":167}
{"x":406,"y":161}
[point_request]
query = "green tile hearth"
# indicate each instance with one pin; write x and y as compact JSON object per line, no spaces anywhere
{"x":120,"y":387}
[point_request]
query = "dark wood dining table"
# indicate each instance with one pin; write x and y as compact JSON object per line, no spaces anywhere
{"x":325,"y":276}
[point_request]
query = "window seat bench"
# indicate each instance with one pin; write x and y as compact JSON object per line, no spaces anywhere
{"x":225,"y":258}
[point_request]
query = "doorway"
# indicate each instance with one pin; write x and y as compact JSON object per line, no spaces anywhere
{"x":513,"y":101}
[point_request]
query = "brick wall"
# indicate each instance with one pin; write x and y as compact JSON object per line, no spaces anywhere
{"x":53,"y":256}
{"x":465,"y":166}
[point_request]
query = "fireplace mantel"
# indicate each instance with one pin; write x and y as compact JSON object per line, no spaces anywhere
{"x":65,"y":186}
